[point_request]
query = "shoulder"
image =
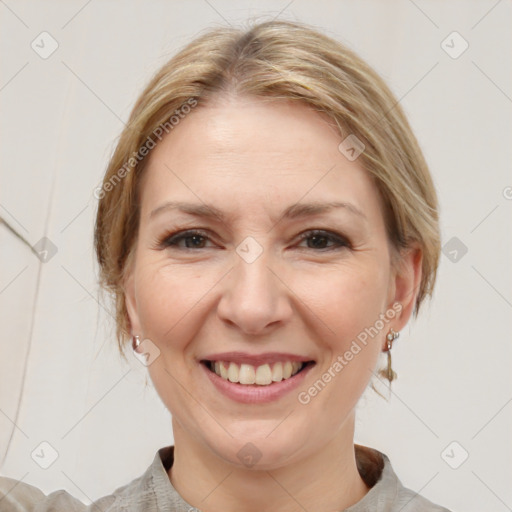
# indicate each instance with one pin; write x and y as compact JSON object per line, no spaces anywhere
{"x":409,"y":501}
{"x":17,"y":496}
{"x":387,"y":492}
{"x":147,"y":493}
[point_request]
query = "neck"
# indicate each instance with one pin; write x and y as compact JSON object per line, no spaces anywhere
{"x":325,"y":481}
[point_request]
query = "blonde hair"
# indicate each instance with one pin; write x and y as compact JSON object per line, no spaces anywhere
{"x":282,"y":60}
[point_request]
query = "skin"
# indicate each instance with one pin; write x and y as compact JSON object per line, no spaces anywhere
{"x":252,"y":158}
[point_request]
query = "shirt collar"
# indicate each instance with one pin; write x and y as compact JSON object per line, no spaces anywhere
{"x":154,"y":492}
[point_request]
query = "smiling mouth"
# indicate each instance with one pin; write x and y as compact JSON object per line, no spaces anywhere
{"x":261,"y":375}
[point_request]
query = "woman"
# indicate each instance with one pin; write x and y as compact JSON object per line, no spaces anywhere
{"x":267,"y":226}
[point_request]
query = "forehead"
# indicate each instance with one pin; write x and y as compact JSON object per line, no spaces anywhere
{"x":272,"y":130}
{"x":254,"y":154}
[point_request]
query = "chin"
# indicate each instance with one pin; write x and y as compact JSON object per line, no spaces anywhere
{"x":258,"y":447}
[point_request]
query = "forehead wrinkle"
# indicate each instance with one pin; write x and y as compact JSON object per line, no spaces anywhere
{"x":291,"y":212}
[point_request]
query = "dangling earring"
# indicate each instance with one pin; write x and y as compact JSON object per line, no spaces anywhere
{"x":389,"y":373}
{"x":135,"y":343}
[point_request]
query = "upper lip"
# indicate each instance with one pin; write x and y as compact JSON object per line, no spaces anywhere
{"x":255,"y":359}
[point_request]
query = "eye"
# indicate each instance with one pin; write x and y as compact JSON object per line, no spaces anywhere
{"x":319,"y":238}
{"x":193,"y":239}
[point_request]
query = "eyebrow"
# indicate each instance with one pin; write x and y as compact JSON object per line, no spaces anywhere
{"x":294,"y":211}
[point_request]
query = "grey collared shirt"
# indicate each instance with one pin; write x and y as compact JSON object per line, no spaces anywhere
{"x":153,"y":492}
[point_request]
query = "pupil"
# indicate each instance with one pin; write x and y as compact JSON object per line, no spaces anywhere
{"x":318,"y":237}
{"x":196,"y":238}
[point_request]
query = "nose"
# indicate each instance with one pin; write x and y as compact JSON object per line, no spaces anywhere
{"x":254,"y":297}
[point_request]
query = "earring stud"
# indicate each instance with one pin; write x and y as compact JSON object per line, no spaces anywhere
{"x":391,"y":336}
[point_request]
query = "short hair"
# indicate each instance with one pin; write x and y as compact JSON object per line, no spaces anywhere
{"x":280,"y":60}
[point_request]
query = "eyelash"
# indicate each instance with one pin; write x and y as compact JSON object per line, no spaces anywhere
{"x":172,"y":239}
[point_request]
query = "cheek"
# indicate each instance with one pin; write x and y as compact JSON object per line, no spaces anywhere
{"x":347,"y":299}
{"x":169,"y":301}
{"x":356,"y":306}
{"x":170,"y":311}
{"x":354,"y":310}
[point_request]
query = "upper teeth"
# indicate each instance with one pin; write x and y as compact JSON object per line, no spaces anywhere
{"x":262,"y":375}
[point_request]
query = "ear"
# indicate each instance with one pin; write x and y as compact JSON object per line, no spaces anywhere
{"x":405,"y":282}
{"x":131,"y":303}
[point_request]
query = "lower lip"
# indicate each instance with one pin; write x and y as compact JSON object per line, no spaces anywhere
{"x":254,"y":393}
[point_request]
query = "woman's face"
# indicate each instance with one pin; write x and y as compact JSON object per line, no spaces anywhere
{"x":274,"y":285}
